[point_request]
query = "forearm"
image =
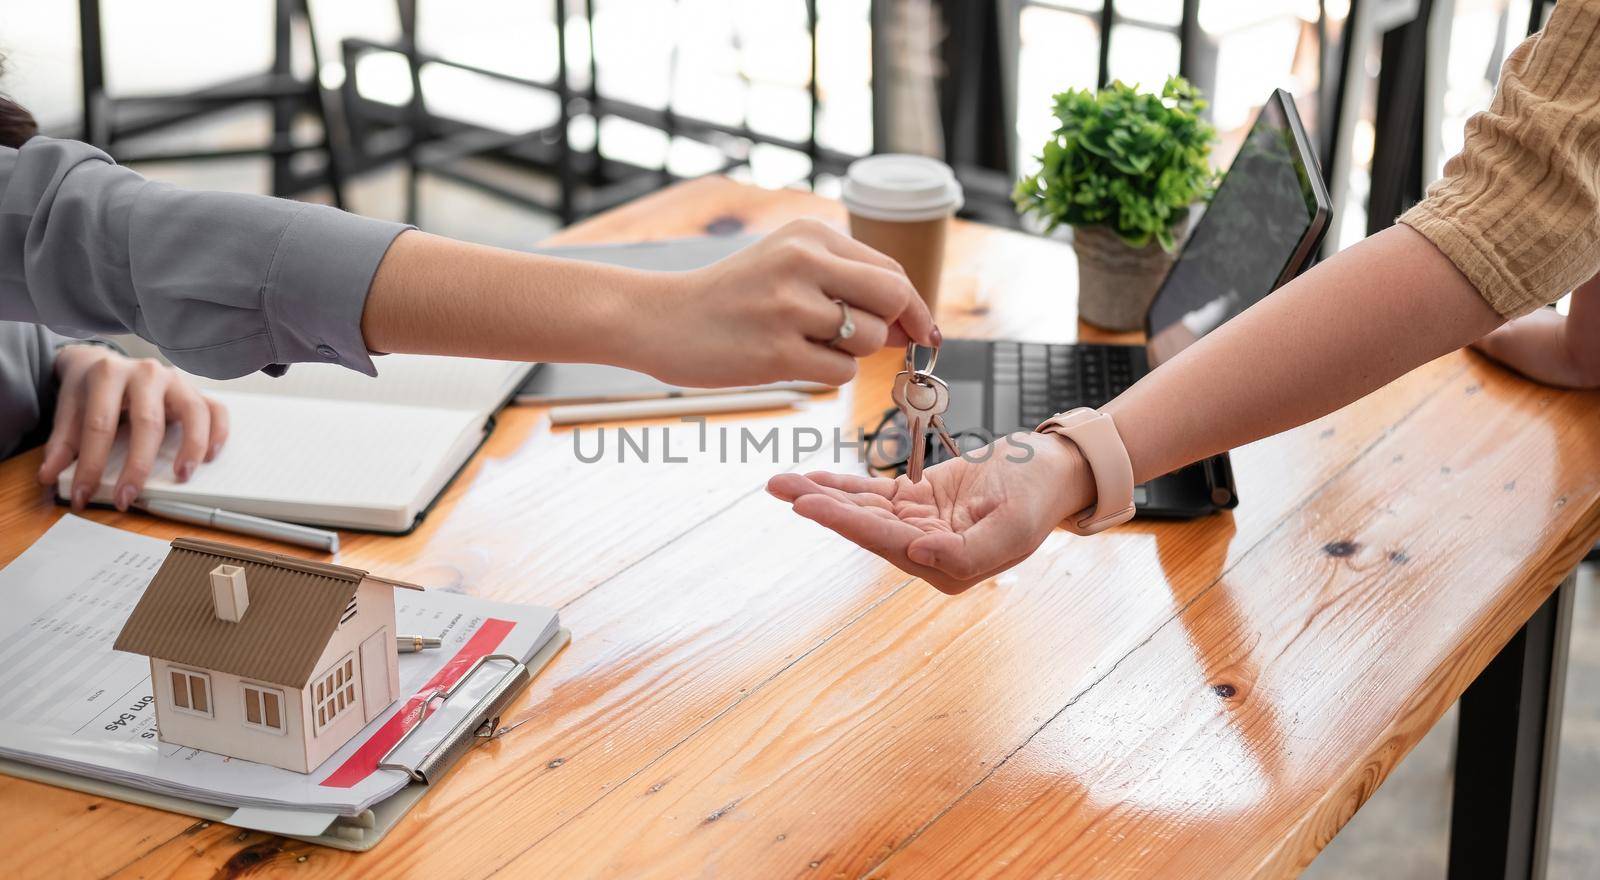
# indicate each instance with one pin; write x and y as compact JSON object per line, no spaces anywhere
{"x":1343,"y":329}
{"x":434,"y":295}
{"x":770,"y":312}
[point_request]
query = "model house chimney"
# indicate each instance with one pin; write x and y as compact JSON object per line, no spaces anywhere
{"x":228,"y":593}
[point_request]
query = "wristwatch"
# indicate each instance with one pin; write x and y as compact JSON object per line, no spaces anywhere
{"x":1095,"y":435}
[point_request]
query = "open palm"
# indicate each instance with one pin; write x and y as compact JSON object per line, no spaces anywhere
{"x":969,"y":519}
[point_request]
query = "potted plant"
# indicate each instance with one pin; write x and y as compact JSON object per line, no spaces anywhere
{"x":1122,"y":169}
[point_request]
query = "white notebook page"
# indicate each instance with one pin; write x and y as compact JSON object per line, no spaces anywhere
{"x":315,"y":460}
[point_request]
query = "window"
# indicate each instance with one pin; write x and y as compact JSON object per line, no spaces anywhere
{"x":263,"y":708}
{"x":191,"y":692}
{"x":335,"y":692}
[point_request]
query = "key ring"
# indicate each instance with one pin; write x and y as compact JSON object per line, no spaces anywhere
{"x":911,"y":359}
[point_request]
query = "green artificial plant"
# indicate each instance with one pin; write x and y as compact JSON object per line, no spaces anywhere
{"x":1129,"y":161}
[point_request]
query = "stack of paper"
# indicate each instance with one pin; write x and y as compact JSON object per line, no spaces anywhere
{"x":69,"y":702}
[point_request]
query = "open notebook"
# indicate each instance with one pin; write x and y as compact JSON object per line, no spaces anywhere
{"x":328,"y":446}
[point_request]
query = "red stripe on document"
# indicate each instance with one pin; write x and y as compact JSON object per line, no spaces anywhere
{"x":365,"y":760}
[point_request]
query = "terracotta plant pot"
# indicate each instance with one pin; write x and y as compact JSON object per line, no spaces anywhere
{"x":1116,"y":282}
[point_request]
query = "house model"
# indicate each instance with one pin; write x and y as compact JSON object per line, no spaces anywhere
{"x":264,"y":657}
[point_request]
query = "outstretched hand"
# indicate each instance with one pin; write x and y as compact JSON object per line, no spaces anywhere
{"x":969,"y":519}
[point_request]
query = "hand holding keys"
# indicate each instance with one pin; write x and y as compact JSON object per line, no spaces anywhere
{"x":923,"y":398}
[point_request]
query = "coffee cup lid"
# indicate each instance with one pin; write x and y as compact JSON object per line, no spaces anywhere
{"x":901,"y":188}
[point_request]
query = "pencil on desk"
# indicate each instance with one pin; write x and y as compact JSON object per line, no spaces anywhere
{"x":672,"y":406}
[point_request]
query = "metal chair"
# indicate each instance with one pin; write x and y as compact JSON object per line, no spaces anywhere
{"x":108,"y":120}
{"x":585,"y":181}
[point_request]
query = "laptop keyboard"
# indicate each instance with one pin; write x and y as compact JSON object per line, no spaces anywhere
{"x":1034,"y":381}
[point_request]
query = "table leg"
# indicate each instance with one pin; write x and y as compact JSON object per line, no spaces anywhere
{"x":1510,"y":728}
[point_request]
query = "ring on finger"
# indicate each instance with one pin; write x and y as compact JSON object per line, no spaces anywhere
{"x":847,"y":324}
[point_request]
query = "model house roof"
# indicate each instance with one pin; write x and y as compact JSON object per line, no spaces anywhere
{"x":294,"y":607}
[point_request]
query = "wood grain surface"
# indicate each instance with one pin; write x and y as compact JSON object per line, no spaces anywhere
{"x":747,"y":695}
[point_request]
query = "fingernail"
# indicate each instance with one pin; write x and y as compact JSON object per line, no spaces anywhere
{"x":125,"y":495}
{"x":184,"y":470}
{"x":212,"y":452}
{"x":80,"y":497}
{"x":938,"y":338}
{"x":920,"y":556}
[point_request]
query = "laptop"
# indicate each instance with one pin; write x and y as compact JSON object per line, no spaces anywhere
{"x":1261,"y":229}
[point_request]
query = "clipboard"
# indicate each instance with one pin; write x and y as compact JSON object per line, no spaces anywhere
{"x":357,"y":833}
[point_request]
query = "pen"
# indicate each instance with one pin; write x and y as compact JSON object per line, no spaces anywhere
{"x":671,"y":392}
{"x":672,"y":406}
{"x":413,"y":644}
{"x":243,"y":523}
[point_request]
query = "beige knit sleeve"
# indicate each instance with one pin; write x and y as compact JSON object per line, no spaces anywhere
{"x":1518,"y":209}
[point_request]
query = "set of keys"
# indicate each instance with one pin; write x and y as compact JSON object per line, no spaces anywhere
{"x":923,"y":398}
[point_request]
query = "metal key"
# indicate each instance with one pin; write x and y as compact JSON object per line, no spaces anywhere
{"x":938,"y":413}
{"x":917,"y":422}
{"x":923,"y":398}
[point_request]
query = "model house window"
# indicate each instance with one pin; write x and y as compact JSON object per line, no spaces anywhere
{"x":335,"y":692}
{"x":263,"y":708}
{"x":349,"y":612}
{"x":191,"y":692}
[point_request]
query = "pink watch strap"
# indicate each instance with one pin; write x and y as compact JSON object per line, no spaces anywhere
{"x":1095,"y":435}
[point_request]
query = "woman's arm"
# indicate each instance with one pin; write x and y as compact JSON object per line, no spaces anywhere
{"x":1513,"y":225}
{"x":1351,"y":325}
{"x":226,"y":284}
{"x":761,"y":315}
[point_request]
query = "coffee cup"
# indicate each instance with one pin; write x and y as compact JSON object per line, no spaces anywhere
{"x":901,"y":205}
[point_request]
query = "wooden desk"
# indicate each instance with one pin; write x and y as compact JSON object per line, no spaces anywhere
{"x":748,"y":695}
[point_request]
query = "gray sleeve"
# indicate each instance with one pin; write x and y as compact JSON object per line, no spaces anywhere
{"x":27,"y":384}
{"x":224,"y":284}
